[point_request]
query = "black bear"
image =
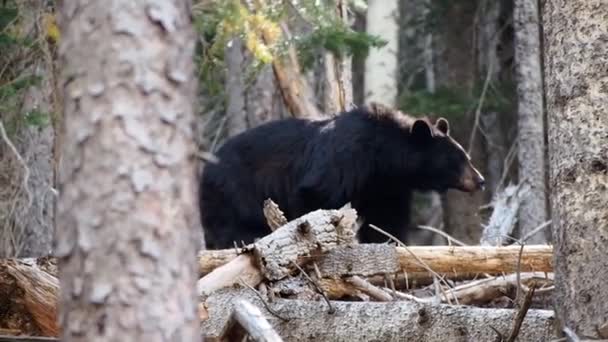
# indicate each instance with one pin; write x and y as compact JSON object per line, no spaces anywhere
{"x":372,"y":157}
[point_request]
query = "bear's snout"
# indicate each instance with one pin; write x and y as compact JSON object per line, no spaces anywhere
{"x":471,"y":179}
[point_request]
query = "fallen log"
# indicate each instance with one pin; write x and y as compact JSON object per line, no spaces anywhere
{"x":370,"y":259}
{"x":28,"y":296}
{"x":364,"y":321}
{"x":273,"y":257}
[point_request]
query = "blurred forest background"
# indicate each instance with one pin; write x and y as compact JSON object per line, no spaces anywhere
{"x":264,"y":60}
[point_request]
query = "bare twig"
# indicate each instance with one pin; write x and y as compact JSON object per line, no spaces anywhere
{"x":207,"y":157}
{"x":444,"y":234}
{"x":331,"y":309}
{"x":479,"y":106}
{"x":536,"y":230}
{"x":371,"y":290}
{"x":509,"y":158}
{"x":521,"y":314}
{"x":422,"y":263}
{"x":26,"y":169}
{"x":268,"y":308}
{"x":519,"y":289}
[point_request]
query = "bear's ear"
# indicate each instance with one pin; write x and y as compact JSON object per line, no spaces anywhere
{"x":420,"y":130}
{"x":443,"y":126}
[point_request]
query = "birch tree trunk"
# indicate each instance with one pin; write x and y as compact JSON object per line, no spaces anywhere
{"x":381,"y":68}
{"x":531,"y":142}
{"x":126,"y":217}
{"x":576,"y":55}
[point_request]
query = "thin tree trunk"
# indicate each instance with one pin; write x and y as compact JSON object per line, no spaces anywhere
{"x":488,"y":62}
{"x":381,"y":64}
{"x":576,"y":55}
{"x":263,"y":102}
{"x":531,"y":142}
{"x":235,"y":88}
{"x":126,"y":217}
{"x":337,"y":75}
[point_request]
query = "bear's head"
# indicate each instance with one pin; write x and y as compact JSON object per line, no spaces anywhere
{"x":444,"y":164}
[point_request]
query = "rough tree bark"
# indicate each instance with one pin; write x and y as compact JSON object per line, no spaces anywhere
{"x":576,"y":55}
{"x":531,"y":141}
{"x":381,"y":64}
{"x":126,"y":218}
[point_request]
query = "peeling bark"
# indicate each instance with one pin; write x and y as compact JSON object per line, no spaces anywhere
{"x":576,"y":55}
{"x":126,"y":216}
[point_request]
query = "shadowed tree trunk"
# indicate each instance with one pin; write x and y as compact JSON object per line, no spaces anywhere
{"x":576,"y":55}
{"x":531,"y":141}
{"x":126,"y":218}
{"x":489,"y":66}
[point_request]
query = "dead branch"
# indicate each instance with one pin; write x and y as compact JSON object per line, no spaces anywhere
{"x":243,"y":267}
{"x":485,"y":290}
{"x":503,"y":218}
{"x":521,"y":314}
{"x":252,"y":320}
{"x":371,"y":290}
{"x":274,"y":215}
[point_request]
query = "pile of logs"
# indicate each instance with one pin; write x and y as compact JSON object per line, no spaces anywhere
{"x":310,"y":280}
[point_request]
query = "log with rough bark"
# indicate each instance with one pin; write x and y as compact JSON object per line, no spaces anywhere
{"x":273,"y":257}
{"x":451,"y":261}
{"x":296,"y":320}
{"x":28,"y":297}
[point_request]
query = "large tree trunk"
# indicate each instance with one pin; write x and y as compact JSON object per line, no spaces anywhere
{"x":531,"y":141}
{"x":126,"y":216}
{"x":381,"y":64}
{"x":576,"y":55}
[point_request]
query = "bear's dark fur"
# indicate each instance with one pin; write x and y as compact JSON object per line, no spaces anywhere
{"x":373,"y":157}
